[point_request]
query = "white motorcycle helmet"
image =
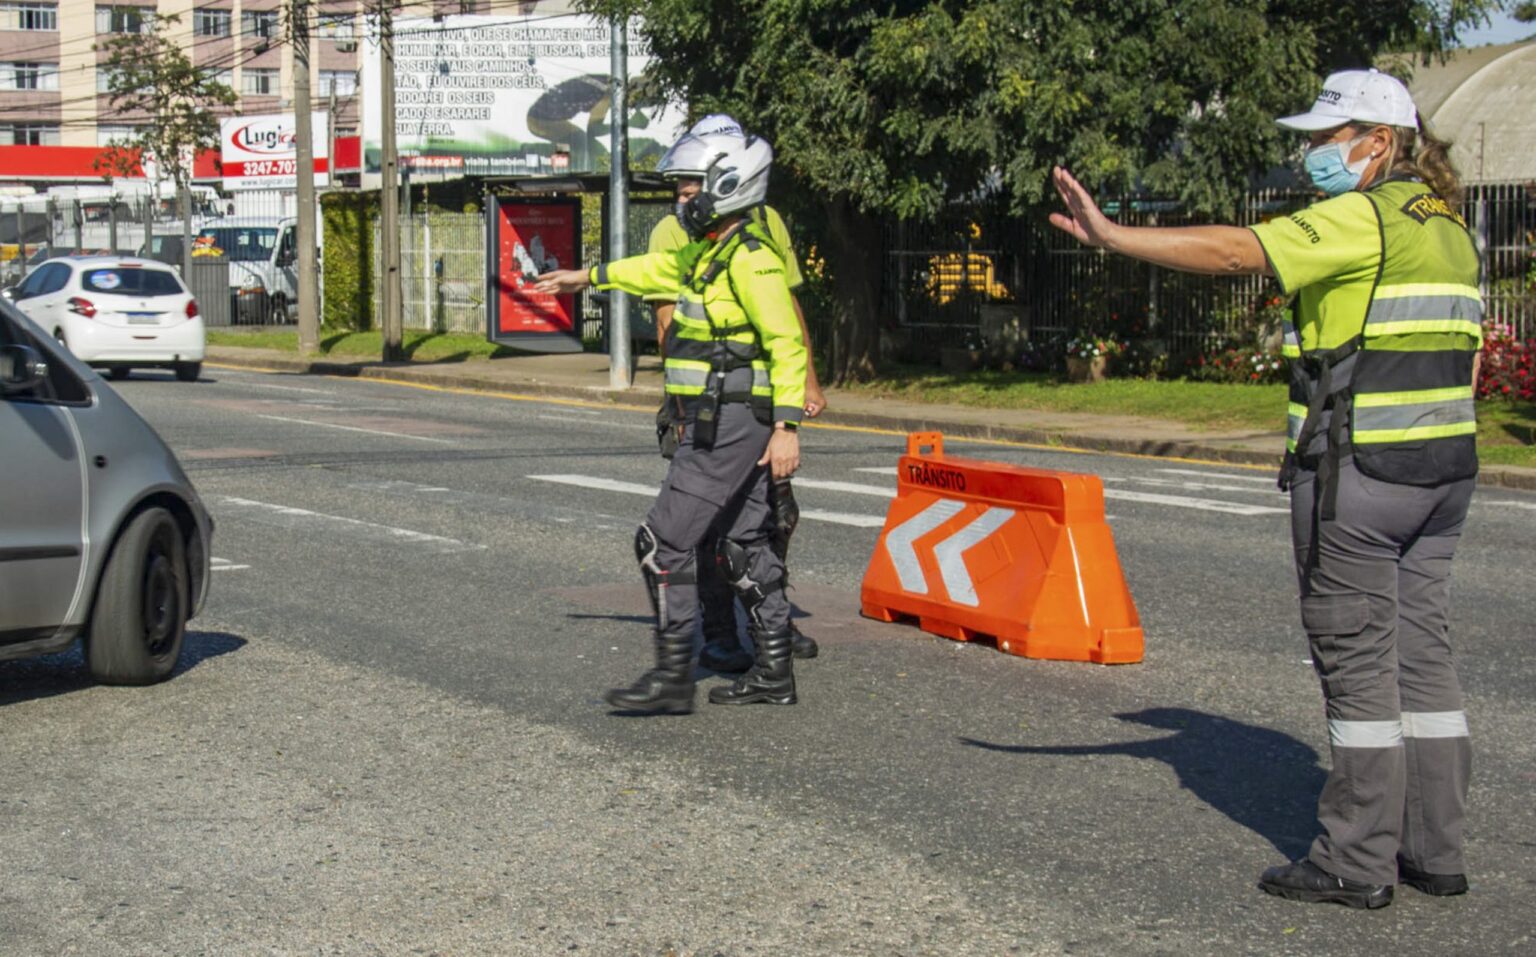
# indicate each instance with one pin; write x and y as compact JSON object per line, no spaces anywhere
{"x":735,"y":173}
{"x":691,"y":154}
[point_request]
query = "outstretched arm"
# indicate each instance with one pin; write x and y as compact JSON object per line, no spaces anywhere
{"x":1216,"y":250}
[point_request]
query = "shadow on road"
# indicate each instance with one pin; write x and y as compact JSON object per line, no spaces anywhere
{"x":1264,"y":780}
{"x":65,"y":672}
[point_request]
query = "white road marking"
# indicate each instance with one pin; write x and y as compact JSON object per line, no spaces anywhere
{"x":879,"y":470}
{"x":649,"y":491}
{"x":353,"y":428}
{"x":1265,"y":479}
{"x":1204,"y":504}
{"x":288,"y":516}
{"x":852,"y":487}
{"x":844,"y":518}
{"x":224,"y":565}
{"x":1196,"y":486}
{"x":606,"y":485}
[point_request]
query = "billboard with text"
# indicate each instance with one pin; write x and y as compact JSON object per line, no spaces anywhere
{"x":497,"y":96}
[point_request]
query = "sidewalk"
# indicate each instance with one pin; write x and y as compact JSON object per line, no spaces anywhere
{"x":584,"y":376}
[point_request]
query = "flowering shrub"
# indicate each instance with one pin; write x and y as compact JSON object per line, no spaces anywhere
{"x":1083,"y":347}
{"x":1251,"y":366}
{"x":1507,"y":370}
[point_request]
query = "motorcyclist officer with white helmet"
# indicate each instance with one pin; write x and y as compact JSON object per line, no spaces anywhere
{"x":736,"y":363}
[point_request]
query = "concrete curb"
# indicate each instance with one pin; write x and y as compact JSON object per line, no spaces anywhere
{"x":1499,"y":476}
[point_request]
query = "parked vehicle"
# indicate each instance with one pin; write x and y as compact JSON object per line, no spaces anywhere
{"x":103,"y":537}
{"x":117,"y":312}
{"x":263,"y":269}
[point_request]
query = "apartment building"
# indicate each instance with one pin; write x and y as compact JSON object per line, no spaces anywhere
{"x":54,"y":81}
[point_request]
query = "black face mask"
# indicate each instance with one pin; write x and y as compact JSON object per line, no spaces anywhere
{"x":697,"y":215}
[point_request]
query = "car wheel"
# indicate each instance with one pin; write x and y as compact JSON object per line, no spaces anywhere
{"x":140,"y":618}
{"x":278,"y":312}
{"x":188,"y":371}
{"x":119,"y":373}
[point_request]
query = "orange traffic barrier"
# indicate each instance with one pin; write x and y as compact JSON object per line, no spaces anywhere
{"x":974,"y":548}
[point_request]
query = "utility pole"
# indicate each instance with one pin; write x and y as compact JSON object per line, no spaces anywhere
{"x":618,"y":200}
{"x":389,"y":193}
{"x":304,"y":252}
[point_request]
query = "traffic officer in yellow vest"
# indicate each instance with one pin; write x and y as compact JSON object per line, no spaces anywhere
{"x":736,"y":361}
{"x":1381,"y":465}
{"x":684,"y":164}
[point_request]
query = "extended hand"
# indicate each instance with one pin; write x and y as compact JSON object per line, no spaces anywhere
{"x":782,"y":455}
{"x":561,"y":281}
{"x":1083,"y":218}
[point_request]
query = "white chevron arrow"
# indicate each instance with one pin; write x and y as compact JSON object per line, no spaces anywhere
{"x":950,"y":552}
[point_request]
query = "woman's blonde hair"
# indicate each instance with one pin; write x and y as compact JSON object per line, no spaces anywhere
{"x":1421,"y":154}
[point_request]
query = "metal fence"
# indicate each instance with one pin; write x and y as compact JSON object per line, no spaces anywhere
{"x":442,"y":271}
{"x":963,"y":279}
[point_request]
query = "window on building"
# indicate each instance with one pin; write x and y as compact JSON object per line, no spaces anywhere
{"x":29,"y":76}
{"x":29,"y":16}
{"x":29,"y":134}
{"x":258,"y":82}
{"x":124,"y":19}
{"x":340,"y":82}
{"x":261,"y":24}
{"x":335,"y":26}
{"x":211,"y":23}
{"x":225,"y":76}
{"x":109,"y":134}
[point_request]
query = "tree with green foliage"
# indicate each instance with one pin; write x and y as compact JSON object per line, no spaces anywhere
{"x":1525,"y":12}
{"x":151,"y":75}
{"x":901,"y":108}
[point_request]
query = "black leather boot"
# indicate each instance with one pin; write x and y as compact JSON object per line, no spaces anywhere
{"x":804,"y":645}
{"x":1304,"y":881}
{"x":770,"y":680}
{"x":666,"y":688}
{"x":724,"y":655}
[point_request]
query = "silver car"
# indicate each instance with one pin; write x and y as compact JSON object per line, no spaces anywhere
{"x":101,"y":534}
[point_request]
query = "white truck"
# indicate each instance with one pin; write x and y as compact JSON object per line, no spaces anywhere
{"x":263,"y":266}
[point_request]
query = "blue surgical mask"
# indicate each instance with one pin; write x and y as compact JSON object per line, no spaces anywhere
{"x":1330,"y":168}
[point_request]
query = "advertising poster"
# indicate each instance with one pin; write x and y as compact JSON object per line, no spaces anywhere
{"x":507,"y":95}
{"x":532,"y":237}
{"x":261,"y":152}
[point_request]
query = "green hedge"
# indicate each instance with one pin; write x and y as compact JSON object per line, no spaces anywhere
{"x":348,"y":260}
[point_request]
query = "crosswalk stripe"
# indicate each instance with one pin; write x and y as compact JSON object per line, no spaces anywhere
{"x":1196,"y":486}
{"x":1204,"y":504}
{"x":633,"y":488}
{"x":1264,"y":479}
{"x":851,"y":487}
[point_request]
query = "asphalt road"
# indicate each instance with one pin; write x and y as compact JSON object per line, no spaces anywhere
{"x":387,"y":735}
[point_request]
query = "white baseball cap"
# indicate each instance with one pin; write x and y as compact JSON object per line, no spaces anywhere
{"x":1361,"y":96}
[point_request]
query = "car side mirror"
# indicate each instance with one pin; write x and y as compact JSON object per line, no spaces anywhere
{"x":21,"y":368}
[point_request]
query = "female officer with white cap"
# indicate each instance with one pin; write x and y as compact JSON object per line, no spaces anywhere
{"x":1380,"y":465}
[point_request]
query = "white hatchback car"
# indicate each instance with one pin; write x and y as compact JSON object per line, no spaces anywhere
{"x":117,"y":312}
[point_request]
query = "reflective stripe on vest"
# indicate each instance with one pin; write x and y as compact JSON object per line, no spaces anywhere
{"x":1296,"y":414}
{"x":1290,"y":346}
{"x":694,"y":346}
{"x":1414,"y":416}
{"x":1411,"y":308}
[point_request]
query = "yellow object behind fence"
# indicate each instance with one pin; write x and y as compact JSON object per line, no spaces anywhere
{"x":950,"y":273}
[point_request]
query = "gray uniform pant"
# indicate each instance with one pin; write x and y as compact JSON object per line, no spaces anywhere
{"x":717,"y":600}
{"x":721,"y":490}
{"x":1375,"y":603}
